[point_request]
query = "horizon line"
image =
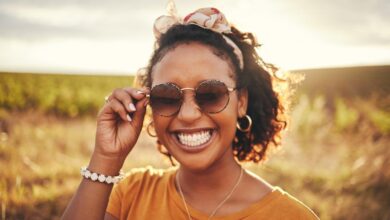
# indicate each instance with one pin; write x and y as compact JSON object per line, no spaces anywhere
{"x":118,"y":73}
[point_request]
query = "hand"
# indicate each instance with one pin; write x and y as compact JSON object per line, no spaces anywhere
{"x":119,"y":123}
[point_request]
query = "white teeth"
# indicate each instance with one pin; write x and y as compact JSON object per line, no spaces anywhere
{"x":194,"y":139}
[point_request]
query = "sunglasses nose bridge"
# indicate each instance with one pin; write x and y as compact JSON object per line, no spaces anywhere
{"x":184,"y":89}
{"x":187,"y":89}
{"x":192,"y":98}
{"x":189,"y":109}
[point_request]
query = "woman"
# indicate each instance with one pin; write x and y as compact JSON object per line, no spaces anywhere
{"x":213,"y":105}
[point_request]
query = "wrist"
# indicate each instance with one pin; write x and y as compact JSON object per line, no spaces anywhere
{"x":105,"y":164}
{"x":88,"y":174}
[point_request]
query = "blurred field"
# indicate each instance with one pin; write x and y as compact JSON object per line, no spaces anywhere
{"x":335,"y":156}
{"x":61,"y":95}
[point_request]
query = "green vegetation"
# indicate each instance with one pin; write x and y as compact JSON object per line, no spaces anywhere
{"x":335,"y":156}
{"x":63,"y":95}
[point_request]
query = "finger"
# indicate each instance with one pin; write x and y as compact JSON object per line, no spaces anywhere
{"x":137,"y":94}
{"x":125,"y":98}
{"x":117,"y":107}
{"x":138,"y":116}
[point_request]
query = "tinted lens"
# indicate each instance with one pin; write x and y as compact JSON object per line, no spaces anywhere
{"x":165,"y":99}
{"x":212,"y":96}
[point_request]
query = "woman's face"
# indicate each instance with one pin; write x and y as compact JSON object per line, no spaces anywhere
{"x":197,"y":139}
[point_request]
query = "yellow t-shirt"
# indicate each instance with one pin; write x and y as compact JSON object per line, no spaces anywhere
{"x":148,"y":193}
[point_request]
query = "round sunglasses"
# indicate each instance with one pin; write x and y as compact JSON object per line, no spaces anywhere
{"x":212,"y":96}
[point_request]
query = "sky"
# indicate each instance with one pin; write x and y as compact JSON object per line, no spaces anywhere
{"x":116,"y":37}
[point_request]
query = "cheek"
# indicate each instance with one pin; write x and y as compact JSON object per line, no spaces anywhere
{"x":160,"y":126}
{"x":232,"y":109}
{"x":227,"y":119}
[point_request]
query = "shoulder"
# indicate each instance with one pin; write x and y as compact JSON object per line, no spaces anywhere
{"x":288,"y":205}
{"x":144,"y":178}
{"x":145,"y":173}
{"x":140,"y":185}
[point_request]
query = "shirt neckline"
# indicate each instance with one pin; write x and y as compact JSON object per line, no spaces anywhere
{"x":255,"y":207}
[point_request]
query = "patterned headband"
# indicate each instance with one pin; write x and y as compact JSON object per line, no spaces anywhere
{"x":207,"y":18}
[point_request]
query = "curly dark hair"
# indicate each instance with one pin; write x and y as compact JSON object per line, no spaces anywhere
{"x":265,"y":105}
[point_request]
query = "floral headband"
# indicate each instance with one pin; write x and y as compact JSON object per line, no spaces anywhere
{"x":207,"y":18}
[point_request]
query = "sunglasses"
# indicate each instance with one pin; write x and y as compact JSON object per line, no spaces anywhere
{"x":212,"y":96}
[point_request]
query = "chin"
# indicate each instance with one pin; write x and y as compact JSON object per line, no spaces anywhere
{"x":203,"y":161}
{"x":198,"y":150}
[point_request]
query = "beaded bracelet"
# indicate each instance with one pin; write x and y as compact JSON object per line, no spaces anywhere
{"x":101,"y":177}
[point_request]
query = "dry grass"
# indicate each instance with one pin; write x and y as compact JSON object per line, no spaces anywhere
{"x":335,"y":156}
{"x":337,"y":169}
{"x":40,"y":158}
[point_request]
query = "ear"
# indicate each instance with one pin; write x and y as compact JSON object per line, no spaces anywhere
{"x":242,"y":102}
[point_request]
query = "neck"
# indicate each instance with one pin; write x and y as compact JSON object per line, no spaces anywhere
{"x":217,"y":179}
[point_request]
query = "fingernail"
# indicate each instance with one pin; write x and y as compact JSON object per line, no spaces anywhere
{"x":128,"y":117}
{"x":132,"y":107}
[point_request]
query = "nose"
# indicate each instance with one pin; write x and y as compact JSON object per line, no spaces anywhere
{"x":189,"y":110}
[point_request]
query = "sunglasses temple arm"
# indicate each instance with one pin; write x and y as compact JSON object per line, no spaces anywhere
{"x":146,"y":94}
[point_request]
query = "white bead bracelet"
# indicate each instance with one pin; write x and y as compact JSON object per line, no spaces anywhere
{"x":100,"y":177}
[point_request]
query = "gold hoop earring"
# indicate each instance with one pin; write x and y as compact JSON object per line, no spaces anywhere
{"x":148,"y":130}
{"x":248,"y":128}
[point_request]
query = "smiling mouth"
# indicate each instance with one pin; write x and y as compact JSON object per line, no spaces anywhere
{"x":194,"y":139}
